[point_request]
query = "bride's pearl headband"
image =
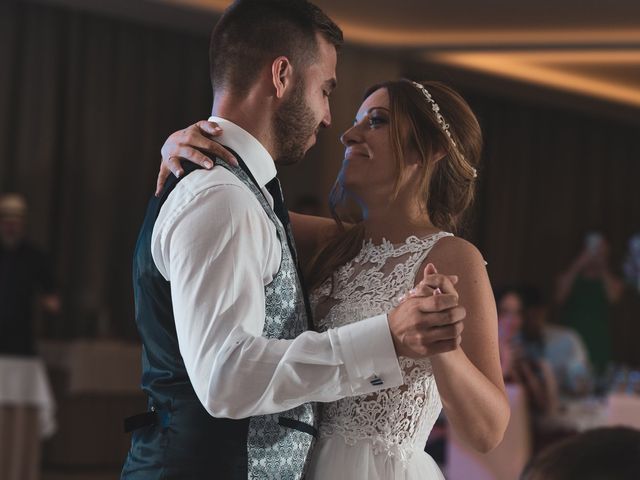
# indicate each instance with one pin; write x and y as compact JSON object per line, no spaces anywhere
{"x":443,"y":124}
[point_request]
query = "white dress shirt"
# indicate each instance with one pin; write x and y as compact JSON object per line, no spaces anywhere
{"x":216,"y":245}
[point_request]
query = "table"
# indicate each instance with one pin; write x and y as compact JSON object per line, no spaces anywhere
{"x":623,"y":409}
{"x":579,"y":415}
{"x":97,"y":385}
{"x":95,"y":366}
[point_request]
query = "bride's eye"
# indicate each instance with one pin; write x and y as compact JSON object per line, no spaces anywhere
{"x":376,"y":121}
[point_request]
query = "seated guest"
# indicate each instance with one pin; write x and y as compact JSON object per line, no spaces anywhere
{"x":603,"y":453}
{"x":560,"y":346}
{"x":518,"y":366}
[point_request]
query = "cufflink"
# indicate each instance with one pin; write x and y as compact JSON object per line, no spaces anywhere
{"x":375,"y":380}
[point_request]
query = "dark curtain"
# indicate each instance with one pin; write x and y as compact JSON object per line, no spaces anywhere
{"x":549,"y":176}
{"x":85,"y":104}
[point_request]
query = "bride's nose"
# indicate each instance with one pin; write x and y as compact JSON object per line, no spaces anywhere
{"x":350,"y":136}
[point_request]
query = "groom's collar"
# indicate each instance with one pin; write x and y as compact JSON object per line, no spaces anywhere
{"x":252,"y":152}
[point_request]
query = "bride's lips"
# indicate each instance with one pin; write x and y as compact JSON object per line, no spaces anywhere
{"x":348,"y":154}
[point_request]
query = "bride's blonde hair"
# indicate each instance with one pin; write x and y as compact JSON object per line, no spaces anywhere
{"x":447,"y":186}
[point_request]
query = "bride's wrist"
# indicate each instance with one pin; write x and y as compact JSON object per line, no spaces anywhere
{"x":447,"y":359}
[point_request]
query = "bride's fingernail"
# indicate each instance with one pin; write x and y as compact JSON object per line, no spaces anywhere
{"x":437,"y":291}
{"x":208,"y":164}
{"x":412,"y":291}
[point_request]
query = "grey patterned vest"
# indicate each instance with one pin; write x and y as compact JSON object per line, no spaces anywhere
{"x":278,"y":444}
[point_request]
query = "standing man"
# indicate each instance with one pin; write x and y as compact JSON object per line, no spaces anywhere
{"x":230,"y":366}
{"x":26,"y":280}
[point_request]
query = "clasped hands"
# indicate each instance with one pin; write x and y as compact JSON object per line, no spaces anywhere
{"x":428,"y":320}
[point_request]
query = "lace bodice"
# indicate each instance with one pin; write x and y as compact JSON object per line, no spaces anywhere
{"x":396,"y":420}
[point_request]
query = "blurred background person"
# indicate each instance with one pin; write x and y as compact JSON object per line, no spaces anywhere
{"x":510,"y":311}
{"x":26,"y":401}
{"x":585,"y":292}
{"x":604,"y":453}
{"x":533,"y":373}
{"x":631,"y":265}
{"x":559,"y":346}
{"x":26,"y":280}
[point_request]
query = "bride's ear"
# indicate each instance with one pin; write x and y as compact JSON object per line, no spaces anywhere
{"x":412,"y":158}
{"x":412,"y":165}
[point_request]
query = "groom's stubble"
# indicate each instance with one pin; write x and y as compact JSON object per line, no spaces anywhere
{"x":294,"y":124}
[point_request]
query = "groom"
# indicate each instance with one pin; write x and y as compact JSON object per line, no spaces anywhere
{"x":230,"y":366}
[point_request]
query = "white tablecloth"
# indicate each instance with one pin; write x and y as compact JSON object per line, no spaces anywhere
{"x":23,"y":382}
{"x":579,"y":415}
{"x":623,"y":409}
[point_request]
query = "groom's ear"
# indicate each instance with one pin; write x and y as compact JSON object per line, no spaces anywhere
{"x":281,"y":75}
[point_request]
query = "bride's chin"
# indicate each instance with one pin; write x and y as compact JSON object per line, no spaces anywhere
{"x":352,"y":188}
{"x":351,"y":181}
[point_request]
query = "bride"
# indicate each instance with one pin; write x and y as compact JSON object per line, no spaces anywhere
{"x":409,"y":164}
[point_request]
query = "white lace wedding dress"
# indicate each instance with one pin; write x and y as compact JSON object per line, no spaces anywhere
{"x":378,"y":436}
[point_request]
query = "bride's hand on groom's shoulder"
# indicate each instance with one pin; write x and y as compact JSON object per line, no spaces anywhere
{"x":191,"y":144}
{"x":428,"y":320}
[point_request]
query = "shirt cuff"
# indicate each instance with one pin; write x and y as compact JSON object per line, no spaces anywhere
{"x":369,"y":355}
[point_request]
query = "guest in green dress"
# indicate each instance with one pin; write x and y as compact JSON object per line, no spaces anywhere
{"x":586,"y":291}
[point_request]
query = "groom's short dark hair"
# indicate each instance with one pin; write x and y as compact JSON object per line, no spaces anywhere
{"x":254,"y":32}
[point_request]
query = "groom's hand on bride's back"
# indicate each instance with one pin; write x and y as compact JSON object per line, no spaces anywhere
{"x":429,"y":320}
{"x":191,"y":144}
